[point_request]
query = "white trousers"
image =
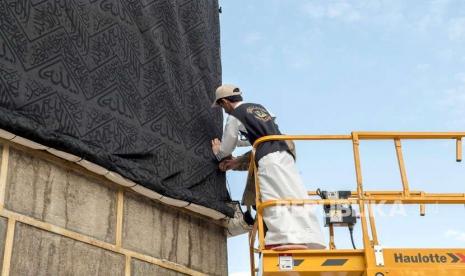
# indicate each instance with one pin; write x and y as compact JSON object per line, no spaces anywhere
{"x":279,"y":179}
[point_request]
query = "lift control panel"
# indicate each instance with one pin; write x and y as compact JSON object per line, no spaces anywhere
{"x":338,"y":214}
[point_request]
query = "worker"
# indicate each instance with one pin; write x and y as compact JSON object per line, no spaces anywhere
{"x":289,"y":227}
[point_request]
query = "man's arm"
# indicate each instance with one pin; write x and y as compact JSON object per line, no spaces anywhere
{"x":243,"y":162}
{"x":229,"y":141}
{"x":240,"y":163}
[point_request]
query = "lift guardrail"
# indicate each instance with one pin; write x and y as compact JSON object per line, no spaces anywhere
{"x":372,"y":259}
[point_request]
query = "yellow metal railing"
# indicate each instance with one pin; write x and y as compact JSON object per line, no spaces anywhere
{"x":359,"y":197}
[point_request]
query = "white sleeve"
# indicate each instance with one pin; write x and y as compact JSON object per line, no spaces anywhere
{"x":230,"y":137}
{"x":240,"y":142}
{"x":243,"y":143}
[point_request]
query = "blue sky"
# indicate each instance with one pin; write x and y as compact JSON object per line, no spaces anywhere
{"x":331,"y":67}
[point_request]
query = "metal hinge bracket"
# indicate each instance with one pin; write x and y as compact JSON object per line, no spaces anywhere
{"x":379,"y":255}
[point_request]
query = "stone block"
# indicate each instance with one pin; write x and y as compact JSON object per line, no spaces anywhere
{"x":3,"y":227}
{"x":141,"y":268}
{"x":37,"y":252}
{"x":165,"y":232}
{"x":60,"y":196}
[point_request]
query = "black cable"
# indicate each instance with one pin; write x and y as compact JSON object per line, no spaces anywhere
{"x":351,"y":230}
{"x":248,"y":218}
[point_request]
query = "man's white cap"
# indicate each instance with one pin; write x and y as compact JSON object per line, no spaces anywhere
{"x":224,"y":91}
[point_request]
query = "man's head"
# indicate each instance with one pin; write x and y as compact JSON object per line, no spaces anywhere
{"x":227,"y":96}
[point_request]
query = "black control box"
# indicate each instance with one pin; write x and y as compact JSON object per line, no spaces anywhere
{"x":338,"y":214}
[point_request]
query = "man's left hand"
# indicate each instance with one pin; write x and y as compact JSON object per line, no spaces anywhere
{"x":216,"y":145}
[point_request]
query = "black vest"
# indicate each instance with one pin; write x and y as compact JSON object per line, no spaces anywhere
{"x":258,"y":123}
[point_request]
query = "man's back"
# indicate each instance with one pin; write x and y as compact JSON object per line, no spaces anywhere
{"x":259,"y":123}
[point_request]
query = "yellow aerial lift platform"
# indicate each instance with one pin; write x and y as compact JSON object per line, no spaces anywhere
{"x":373,"y":259}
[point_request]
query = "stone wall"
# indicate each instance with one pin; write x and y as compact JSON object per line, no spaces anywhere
{"x":56,"y":218}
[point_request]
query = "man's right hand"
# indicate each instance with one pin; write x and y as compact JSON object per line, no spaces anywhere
{"x":229,"y":164}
